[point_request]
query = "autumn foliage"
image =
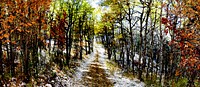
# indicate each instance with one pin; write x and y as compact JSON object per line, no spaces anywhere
{"x":21,"y":32}
{"x":35,"y":33}
{"x":164,"y":35}
{"x":60,"y":27}
{"x":186,"y":39}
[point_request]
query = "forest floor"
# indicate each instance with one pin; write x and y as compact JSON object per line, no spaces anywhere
{"x":97,"y":71}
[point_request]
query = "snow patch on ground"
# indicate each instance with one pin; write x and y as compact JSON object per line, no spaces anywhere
{"x":84,"y":67}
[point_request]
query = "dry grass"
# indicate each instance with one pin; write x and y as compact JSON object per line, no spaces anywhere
{"x":113,"y":67}
{"x":129,"y":75}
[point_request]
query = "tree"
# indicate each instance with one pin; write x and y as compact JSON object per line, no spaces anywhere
{"x":186,"y":39}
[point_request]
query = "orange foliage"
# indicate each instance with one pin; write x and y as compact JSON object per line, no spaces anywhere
{"x":187,"y":38}
{"x":22,"y":16}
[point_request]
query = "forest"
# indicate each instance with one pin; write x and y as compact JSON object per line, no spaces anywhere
{"x":99,"y":43}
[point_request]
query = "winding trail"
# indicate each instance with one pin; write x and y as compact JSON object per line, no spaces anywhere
{"x":94,"y":72}
{"x":96,"y":76}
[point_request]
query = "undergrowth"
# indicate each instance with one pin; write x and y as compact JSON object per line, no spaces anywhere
{"x":113,"y":67}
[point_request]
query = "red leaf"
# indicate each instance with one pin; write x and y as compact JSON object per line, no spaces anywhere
{"x":164,"y":20}
{"x":166,"y":31}
{"x":175,"y":31}
{"x":170,"y":27}
{"x":172,"y":42}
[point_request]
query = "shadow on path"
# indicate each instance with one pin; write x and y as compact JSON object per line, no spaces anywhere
{"x":96,"y":76}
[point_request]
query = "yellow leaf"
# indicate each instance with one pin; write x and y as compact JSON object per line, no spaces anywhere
{"x":29,"y":24}
{"x":192,"y":31}
{"x":1,"y":31}
{"x":198,"y":7}
{"x":33,"y":22}
{"x":119,"y":36}
{"x":6,"y":35}
{"x":11,"y":31}
{"x":12,"y":17}
{"x":7,"y":41}
{"x":27,"y":31}
{"x":10,"y":20}
{"x":21,"y":24}
{"x":1,"y":37}
{"x":19,"y":30}
{"x":43,"y":21}
{"x":44,"y":26}
{"x":14,"y":42}
{"x":177,"y":73}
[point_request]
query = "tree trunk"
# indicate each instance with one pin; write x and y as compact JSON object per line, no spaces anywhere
{"x":12,"y":59}
{"x":145,"y":39}
{"x":26,"y":60}
{"x":1,"y":59}
{"x":81,"y":37}
{"x":141,"y":43}
{"x":161,"y":48}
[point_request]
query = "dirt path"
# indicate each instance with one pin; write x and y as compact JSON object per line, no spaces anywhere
{"x":96,"y":76}
{"x":94,"y":72}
